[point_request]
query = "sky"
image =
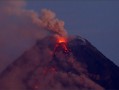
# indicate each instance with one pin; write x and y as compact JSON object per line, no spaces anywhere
{"x":97,"y":21}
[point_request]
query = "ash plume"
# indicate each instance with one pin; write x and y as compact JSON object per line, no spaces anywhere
{"x":51,"y":23}
{"x":20,"y":28}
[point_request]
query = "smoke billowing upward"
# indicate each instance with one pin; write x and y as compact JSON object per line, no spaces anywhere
{"x":20,"y":28}
{"x":51,"y":23}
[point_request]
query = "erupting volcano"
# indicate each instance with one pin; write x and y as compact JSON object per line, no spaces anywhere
{"x":56,"y":61}
{"x":61,"y":64}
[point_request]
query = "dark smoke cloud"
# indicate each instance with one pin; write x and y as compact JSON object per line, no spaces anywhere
{"x":20,"y":28}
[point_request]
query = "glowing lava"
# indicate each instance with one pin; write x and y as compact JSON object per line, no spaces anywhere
{"x":62,"y":40}
{"x":61,"y":45}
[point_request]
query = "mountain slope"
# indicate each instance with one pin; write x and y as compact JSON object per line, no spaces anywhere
{"x":100,"y":69}
{"x":71,"y":66}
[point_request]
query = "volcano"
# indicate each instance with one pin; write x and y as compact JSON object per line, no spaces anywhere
{"x":74,"y":64}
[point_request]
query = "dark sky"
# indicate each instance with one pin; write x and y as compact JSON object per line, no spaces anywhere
{"x":97,"y":21}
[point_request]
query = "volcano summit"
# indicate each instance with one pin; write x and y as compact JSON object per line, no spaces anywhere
{"x":74,"y":64}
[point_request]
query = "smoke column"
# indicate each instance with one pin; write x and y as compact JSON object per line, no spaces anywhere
{"x":20,"y":28}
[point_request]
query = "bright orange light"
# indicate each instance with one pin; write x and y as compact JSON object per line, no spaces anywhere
{"x":61,"y":39}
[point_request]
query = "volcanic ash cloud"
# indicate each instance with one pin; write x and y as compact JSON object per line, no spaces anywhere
{"x":20,"y":28}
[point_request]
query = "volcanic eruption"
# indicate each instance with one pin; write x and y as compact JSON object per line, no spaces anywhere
{"x":61,"y":45}
{"x":57,"y":61}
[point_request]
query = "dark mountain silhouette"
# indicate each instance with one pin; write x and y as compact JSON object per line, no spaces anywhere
{"x":100,"y":69}
{"x":71,"y":65}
